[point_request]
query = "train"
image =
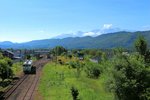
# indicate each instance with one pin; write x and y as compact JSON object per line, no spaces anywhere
{"x":28,"y":67}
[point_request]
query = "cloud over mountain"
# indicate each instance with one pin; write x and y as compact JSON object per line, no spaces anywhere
{"x":106,"y":28}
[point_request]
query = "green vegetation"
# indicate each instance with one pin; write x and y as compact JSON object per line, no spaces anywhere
{"x":8,"y":69}
{"x":93,"y":70}
{"x":74,"y":93}
{"x":17,"y":68}
{"x":5,"y":68}
{"x":57,"y":81}
{"x":130,"y":74}
{"x":58,"y":50}
{"x":118,"y":75}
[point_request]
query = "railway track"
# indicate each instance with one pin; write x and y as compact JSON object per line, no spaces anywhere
{"x":24,"y":88}
{"x":14,"y":87}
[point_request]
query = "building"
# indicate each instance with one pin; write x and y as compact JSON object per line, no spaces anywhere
{"x":8,"y":54}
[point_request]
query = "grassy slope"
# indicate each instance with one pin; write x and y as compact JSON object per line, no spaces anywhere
{"x":57,"y":80}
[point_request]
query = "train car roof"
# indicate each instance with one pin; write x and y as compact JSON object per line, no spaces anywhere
{"x":28,"y":62}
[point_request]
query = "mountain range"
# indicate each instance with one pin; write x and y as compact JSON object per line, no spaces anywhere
{"x":110,"y":40}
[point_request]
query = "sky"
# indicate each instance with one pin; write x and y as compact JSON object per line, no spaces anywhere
{"x":26,"y":20}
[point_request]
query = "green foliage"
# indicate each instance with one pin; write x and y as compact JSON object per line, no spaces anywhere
{"x":93,"y":70}
{"x":74,"y":93}
{"x":60,"y":61}
{"x":147,"y":56}
{"x":78,"y":66}
{"x":118,"y":51}
{"x":5,"y":68}
{"x":130,"y":79}
{"x":72,"y":64}
{"x":58,"y":50}
{"x":141,"y":45}
{"x":70,"y":56}
{"x":28,"y":57}
{"x":130,"y":73}
{"x":1,"y":56}
{"x":17,"y":68}
{"x":53,"y":87}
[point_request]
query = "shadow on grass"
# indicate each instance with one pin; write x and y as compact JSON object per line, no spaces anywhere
{"x":1,"y":97}
{"x":5,"y":83}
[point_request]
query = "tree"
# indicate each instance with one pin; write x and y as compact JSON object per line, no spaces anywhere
{"x":58,"y":50}
{"x":131,"y":78}
{"x":5,"y":68}
{"x":141,"y":45}
{"x":130,"y":74}
{"x":28,"y":57}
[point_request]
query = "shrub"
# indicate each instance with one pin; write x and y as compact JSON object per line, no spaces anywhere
{"x":93,"y":70}
{"x":130,"y":78}
{"x":60,"y":61}
{"x":70,"y":56}
{"x":74,"y":93}
{"x":72,"y":64}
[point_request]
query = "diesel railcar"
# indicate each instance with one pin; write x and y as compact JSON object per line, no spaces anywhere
{"x":28,"y":67}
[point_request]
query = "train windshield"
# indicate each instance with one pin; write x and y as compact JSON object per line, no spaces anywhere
{"x":26,"y":65}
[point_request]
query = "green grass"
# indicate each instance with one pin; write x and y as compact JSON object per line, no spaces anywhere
{"x":57,"y":80}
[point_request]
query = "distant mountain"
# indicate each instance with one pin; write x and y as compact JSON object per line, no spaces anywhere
{"x":110,"y":40}
{"x":6,"y":43}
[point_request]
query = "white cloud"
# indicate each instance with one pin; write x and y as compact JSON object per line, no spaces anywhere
{"x":107,"y":26}
{"x":89,"y":34}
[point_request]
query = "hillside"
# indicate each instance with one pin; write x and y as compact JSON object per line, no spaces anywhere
{"x":110,"y":40}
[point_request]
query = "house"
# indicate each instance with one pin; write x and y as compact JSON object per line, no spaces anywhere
{"x":8,"y":54}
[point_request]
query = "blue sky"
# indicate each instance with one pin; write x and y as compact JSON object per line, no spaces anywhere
{"x":25,"y":20}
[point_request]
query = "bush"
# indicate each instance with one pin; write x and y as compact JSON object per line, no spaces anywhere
{"x":72,"y":64}
{"x":60,"y":61}
{"x":130,"y":78}
{"x":93,"y":70}
{"x":70,"y":56}
{"x":74,"y":93}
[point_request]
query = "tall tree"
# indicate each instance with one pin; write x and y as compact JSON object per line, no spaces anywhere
{"x":141,"y":45}
{"x":58,"y":50}
{"x":5,"y":68}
